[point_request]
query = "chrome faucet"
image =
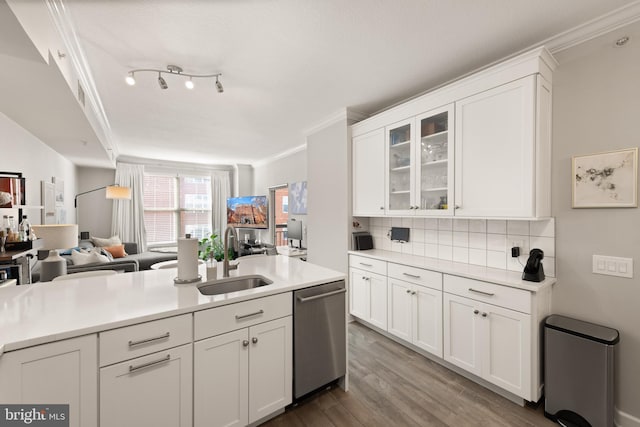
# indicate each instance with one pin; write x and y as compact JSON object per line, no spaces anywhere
{"x":225,"y":266}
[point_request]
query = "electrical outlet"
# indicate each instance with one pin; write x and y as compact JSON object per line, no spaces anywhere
{"x":612,"y":266}
{"x":515,"y":252}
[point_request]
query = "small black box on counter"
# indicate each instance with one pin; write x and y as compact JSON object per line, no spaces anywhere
{"x":362,"y":240}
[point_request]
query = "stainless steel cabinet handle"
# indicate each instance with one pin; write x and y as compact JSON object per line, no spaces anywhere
{"x":484,"y":314}
{"x":148,"y":340}
{"x":476,"y":311}
{"x":489,"y":294}
{"x":328,"y":294}
{"x":381,"y":207}
{"x":245,"y":343}
{"x":254,"y":340}
{"x":408,"y":291}
{"x":411,"y":275}
{"x":413,"y":293}
{"x":366,"y":265}
{"x":244,"y":316}
{"x":149,"y":364}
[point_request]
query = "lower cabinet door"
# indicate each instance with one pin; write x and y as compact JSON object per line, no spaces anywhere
{"x":270,"y":367}
{"x":461,"y":333}
{"x":400,"y":300}
{"x":377,"y":300}
{"x":427,"y":319}
{"x":358,"y":294}
{"x":221,"y":380}
{"x":153,"y":390}
{"x":62,"y":372}
{"x":506,"y":355}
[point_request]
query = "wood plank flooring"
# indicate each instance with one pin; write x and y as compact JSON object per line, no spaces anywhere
{"x":391,"y":385}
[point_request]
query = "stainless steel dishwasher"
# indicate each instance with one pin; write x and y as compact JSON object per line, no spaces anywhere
{"x":319,"y":337}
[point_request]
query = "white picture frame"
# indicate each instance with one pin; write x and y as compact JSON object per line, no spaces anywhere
{"x":605,"y":180}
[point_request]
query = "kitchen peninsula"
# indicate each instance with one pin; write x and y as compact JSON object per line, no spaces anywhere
{"x":114,"y":347}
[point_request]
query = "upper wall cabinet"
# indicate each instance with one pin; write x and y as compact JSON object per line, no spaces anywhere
{"x":479,"y":147}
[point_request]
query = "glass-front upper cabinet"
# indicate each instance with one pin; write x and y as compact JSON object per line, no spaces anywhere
{"x":400,"y":175}
{"x":434,"y":163}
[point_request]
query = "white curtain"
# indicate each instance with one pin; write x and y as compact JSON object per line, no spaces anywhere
{"x":127,"y":220}
{"x":220,"y":192}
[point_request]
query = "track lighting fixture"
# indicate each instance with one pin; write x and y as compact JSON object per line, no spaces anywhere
{"x":177,"y":71}
{"x":162,"y":82}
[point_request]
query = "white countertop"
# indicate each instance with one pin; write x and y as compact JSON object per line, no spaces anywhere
{"x":493,"y":275}
{"x":50,"y":311}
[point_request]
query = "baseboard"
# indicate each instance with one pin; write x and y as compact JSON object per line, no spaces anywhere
{"x":622,"y":419}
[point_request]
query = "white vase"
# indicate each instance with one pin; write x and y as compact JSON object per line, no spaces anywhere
{"x":212,"y":269}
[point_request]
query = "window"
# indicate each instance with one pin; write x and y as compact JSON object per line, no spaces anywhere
{"x":280,"y":205}
{"x":175,"y":206}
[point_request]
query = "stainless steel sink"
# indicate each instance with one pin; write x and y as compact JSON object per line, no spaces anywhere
{"x":233,"y":284}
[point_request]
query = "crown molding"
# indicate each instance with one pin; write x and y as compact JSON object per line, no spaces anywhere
{"x":279,"y":156}
{"x":64,"y":25}
{"x":594,"y":28}
{"x":342,"y":114}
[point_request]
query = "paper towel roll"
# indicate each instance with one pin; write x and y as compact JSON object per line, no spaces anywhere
{"x":187,"y":259}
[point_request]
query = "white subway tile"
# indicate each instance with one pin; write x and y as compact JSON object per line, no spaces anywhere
{"x":431,"y":250}
{"x":478,"y":257}
{"x":497,"y":226}
{"x":445,"y":252}
{"x":478,"y":225}
{"x":431,"y":236}
{"x":478,"y":241}
{"x":497,"y":259}
{"x":461,"y":239}
{"x":496,"y":242}
{"x":376,"y":222}
{"x":518,"y":227}
{"x":407,"y":222}
{"x":520,"y":241}
{"x":396,"y":247}
{"x":386,"y":244}
{"x":396,"y":222}
{"x":430,"y":224}
{"x":460,"y":224}
{"x":516,"y":264}
{"x":445,"y":238}
{"x":417,"y":235}
{"x":544,"y":228}
{"x":386,"y":222}
{"x":445,"y":224}
{"x":418,"y":223}
{"x":549,"y":266}
{"x":407,"y":248}
{"x":461,"y":255}
{"x":547,"y":244}
{"x":418,"y":249}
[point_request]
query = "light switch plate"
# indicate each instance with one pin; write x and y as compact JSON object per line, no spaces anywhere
{"x":613,"y":266}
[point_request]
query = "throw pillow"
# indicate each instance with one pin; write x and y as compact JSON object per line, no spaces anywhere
{"x":80,"y":258}
{"x":102,"y":242}
{"x":117,"y":251}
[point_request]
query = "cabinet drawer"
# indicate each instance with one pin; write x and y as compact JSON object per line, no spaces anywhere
{"x":144,"y":338}
{"x":419,"y":276}
{"x":368,"y":264}
{"x":503,"y":296}
{"x":220,"y":320}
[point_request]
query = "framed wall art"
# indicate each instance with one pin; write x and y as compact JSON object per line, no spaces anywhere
{"x":605,"y":180}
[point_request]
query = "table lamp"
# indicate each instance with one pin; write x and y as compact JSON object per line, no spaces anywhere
{"x":54,"y":237}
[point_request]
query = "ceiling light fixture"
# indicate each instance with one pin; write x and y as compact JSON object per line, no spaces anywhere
{"x":130,"y":79}
{"x":176,"y":71}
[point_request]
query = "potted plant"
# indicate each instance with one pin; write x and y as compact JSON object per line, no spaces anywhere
{"x":210,"y":248}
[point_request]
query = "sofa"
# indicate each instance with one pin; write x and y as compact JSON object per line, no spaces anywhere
{"x":133,"y":261}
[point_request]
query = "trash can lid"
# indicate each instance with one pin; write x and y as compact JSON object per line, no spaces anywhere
{"x":583,"y":329}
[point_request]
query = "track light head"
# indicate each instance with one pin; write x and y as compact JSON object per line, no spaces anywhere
{"x":130,"y":79}
{"x":219,"y":85}
{"x":162,"y":82}
{"x":189,"y":83}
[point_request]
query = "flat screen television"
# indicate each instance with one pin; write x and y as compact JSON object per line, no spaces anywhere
{"x":248,"y":212}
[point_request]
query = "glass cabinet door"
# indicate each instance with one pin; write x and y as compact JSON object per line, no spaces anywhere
{"x":399,"y":168}
{"x":434,"y":171}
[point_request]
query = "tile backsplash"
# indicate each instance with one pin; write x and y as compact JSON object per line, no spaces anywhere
{"x":485,"y":242}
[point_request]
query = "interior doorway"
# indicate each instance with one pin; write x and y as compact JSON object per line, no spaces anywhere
{"x":279,"y":202}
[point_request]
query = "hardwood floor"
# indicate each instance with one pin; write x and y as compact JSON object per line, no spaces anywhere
{"x":391,"y":385}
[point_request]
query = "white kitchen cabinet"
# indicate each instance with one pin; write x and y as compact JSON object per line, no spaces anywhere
{"x":368,"y":174}
{"x":502,"y":150}
{"x":70,"y":368}
{"x":244,"y":375}
{"x":415,"y":307}
{"x":155,"y":389}
{"x":368,"y":297}
{"x":490,"y":341}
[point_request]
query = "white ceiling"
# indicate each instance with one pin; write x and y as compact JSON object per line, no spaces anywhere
{"x":288,"y":65}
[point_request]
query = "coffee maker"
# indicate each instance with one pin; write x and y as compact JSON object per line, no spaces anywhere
{"x":533,"y":271}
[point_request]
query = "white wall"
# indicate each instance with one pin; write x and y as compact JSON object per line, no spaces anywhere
{"x":329,"y":196}
{"x":596,"y":103}
{"x":20,"y":151}
{"x":94,"y":210}
{"x":292,"y":168}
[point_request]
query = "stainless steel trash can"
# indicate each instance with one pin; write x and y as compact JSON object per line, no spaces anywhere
{"x":578,"y":372}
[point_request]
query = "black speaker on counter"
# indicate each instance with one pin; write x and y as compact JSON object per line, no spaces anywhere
{"x":362,"y":240}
